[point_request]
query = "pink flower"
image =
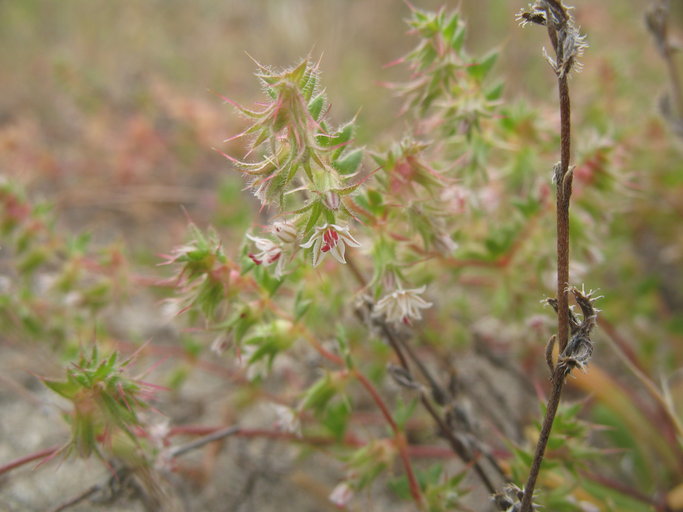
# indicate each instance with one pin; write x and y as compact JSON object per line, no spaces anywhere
{"x":330,"y":238}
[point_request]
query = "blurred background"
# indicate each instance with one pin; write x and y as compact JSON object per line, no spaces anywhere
{"x":114,"y":108}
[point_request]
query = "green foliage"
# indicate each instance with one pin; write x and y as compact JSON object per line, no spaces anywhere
{"x":105,"y":402}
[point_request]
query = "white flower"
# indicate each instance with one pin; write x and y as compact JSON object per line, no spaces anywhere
{"x":330,"y":238}
{"x":270,"y":252}
{"x":341,"y":495}
{"x":287,"y":419}
{"x":402,"y":306}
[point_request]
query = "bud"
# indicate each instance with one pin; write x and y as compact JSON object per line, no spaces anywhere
{"x":331,"y":200}
{"x":285,"y":232}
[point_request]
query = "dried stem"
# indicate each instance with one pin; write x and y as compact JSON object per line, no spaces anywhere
{"x":560,"y":30}
{"x":544,"y":436}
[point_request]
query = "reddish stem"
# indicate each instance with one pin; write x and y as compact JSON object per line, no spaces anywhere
{"x":6,"y":468}
{"x":399,"y":438}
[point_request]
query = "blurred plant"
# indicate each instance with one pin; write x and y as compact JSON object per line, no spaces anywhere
{"x":106,"y":403}
{"x":52,"y":286}
{"x":671,"y":105}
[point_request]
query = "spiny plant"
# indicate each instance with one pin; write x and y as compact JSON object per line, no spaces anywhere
{"x":106,"y":402}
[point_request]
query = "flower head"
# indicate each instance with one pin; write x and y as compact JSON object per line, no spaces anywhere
{"x":402,"y":306}
{"x":330,"y":238}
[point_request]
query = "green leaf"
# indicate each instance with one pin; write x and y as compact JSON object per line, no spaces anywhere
{"x":66,"y":389}
{"x":495,"y":92}
{"x":480,"y":69}
{"x":450,"y":30}
{"x":404,"y":411}
{"x":349,"y":162}
{"x":336,"y":418}
{"x":458,"y":39}
{"x":315,"y":106}
{"x":316,"y":210}
{"x":319,"y":394}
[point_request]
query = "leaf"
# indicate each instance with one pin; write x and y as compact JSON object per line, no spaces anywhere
{"x":450,"y":30}
{"x":316,"y":210}
{"x":337,"y":418}
{"x":458,"y":39}
{"x":480,"y":69}
{"x":349,"y":163}
{"x":67,"y":389}
{"x":315,"y":106}
{"x":495,"y":92}
{"x":319,"y":394}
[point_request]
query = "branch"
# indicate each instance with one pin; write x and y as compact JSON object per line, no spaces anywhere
{"x":568,"y":45}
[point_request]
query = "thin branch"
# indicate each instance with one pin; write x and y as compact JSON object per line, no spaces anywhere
{"x":94,"y":489}
{"x":568,"y":45}
{"x":544,"y":437}
{"x":177,"y":451}
{"x":6,"y":468}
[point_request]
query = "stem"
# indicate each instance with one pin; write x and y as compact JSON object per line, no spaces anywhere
{"x":563,"y":195}
{"x":563,"y":180}
{"x":6,"y":468}
{"x":553,"y":404}
{"x":198,"y":443}
{"x":400,"y":440}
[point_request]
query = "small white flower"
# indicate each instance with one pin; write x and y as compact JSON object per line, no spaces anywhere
{"x":402,"y":306}
{"x":341,"y":495}
{"x":287,"y":419}
{"x":270,"y":252}
{"x":330,"y":238}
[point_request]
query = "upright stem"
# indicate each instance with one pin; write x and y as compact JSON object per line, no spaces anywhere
{"x":563,"y":194}
{"x":544,"y":437}
{"x":563,"y":180}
